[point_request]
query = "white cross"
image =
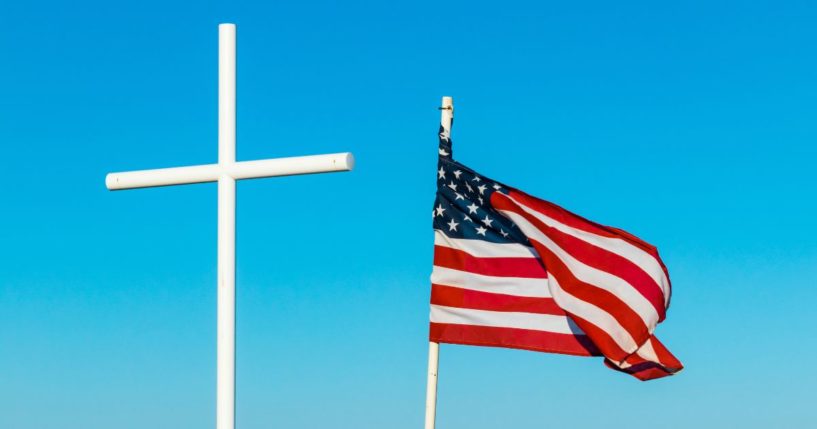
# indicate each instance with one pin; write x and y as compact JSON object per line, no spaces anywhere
{"x":226,"y":172}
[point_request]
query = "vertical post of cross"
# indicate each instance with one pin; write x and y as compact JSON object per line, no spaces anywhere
{"x":446,"y":119}
{"x":225,"y":354}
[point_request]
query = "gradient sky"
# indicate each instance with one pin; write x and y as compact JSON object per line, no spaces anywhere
{"x":691,"y":125}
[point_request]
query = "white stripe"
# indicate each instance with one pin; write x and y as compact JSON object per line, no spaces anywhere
{"x":517,"y":286}
{"x":647,"y":352}
{"x":595,"y":315}
{"x":503,"y":319}
{"x":601,"y":279}
{"x":484,"y":249}
{"x":620,"y":247}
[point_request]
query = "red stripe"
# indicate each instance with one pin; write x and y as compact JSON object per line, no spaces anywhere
{"x":601,"y":339}
{"x":465,"y":298}
{"x":667,"y":359}
{"x":612,"y":263}
{"x":647,"y":370}
{"x":571,"y":219}
{"x":512,"y":338}
{"x":497,"y":267}
{"x":643,"y":371}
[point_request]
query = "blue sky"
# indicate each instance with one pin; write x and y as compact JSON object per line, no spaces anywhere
{"x":691,"y":125}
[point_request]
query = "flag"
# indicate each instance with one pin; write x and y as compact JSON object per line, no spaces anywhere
{"x":512,"y":270}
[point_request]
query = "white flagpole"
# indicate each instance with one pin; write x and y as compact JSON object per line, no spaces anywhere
{"x":446,"y":118}
{"x":431,"y":385}
{"x":225,"y":353}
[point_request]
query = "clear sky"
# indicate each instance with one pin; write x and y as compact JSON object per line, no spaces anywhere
{"x":691,"y":125}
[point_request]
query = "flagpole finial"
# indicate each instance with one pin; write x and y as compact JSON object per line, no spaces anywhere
{"x":446,"y":120}
{"x":447,"y":114}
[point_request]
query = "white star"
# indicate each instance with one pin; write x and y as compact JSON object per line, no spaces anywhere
{"x":459,"y":196}
{"x":443,"y":152}
{"x":452,"y":226}
{"x":472,"y":208}
{"x":497,"y":187}
{"x":487,"y":221}
{"x":440,"y":210}
{"x":480,"y":200}
{"x":453,"y":186}
{"x":441,"y":173}
{"x":465,"y":217}
{"x":457,"y":174}
{"x":470,"y":189}
{"x":504,"y":234}
{"x":482,"y":189}
{"x":481,"y":230}
{"x":476,"y":179}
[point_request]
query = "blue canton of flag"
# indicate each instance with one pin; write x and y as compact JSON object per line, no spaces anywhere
{"x":463,"y":205}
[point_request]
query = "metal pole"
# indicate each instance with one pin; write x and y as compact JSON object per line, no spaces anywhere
{"x":446,"y":119}
{"x":431,"y":384}
{"x":225,"y":362}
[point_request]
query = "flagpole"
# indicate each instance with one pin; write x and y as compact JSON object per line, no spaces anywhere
{"x":431,"y":385}
{"x":446,"y":118}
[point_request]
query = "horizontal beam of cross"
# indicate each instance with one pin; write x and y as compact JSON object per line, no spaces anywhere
{"x":236,"y":170}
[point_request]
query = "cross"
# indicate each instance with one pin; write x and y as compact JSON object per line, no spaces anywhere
{"x":226,"y":172}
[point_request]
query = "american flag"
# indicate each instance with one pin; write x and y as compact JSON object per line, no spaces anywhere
{"x":512,"y":270}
